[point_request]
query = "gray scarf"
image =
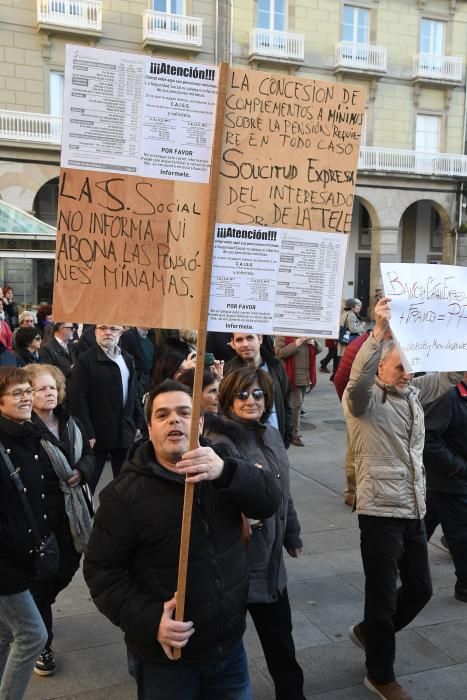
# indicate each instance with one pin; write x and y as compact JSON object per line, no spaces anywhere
{"x":75,"y":504}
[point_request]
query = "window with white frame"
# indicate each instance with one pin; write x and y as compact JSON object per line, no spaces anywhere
{"x":432,"y":37}
{"x":355,"y":24}
{"x":56,"y":83}
{"x":272,"y":15}
{"x":427,"y":133}
{"x":170,"y":7}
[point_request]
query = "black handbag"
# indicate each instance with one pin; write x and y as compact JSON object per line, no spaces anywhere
{"x":46,"y":555}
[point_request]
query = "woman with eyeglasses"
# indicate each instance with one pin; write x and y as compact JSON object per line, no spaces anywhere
{"x":28,"y":342}
{"x":22,"y":630}
{"x":245,"y":399}
{"x":69,"y":465}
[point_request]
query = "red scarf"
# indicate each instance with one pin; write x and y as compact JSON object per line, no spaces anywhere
{"x":289,"y":363}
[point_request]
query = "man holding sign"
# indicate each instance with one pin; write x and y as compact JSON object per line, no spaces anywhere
{"x":383,"y":406}
{"x":132,"y":558}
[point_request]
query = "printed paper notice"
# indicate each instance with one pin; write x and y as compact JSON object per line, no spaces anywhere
{"x":277,"y":281}
{"x":429,"y":314}
{"x":130,"y":113}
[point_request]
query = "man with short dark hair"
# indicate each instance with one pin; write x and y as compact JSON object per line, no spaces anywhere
{"x":131,"y":562}
{"x":103,"y":396}
{"x":250,"y":351}
{"x":59,"y":351}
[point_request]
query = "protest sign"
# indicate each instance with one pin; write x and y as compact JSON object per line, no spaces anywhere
{"x":429,"y":314}
{"x":289,"y":161}
{"x":134,"y":190}
{"x":290,"y":152}
{"x":280,"y":281}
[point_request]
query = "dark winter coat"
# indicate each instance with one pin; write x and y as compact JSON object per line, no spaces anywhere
{"x":24,"y":357}
{"x":262,"y":444}
{"x":131,"y":342}
{"x":281,"y":389}
{"x":45,"y":498}
{"x":52,"y":353}
{"x":11,"y":314}
{"x":131,"y":562}
{"x":7,"y":358}
{"x":95,"y":397}
{"x":445,"y":453}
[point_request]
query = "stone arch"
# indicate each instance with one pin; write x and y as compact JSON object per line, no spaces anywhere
{"x":45,"y":203}
{"x":20,"y":182}
{"x":409,"y":226}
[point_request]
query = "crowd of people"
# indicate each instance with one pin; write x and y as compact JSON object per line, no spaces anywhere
{"x":74,"y":397}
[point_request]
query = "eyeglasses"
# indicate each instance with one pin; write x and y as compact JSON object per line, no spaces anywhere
{"x":257,"y":394}
{"x":18,"y":394}
{"x":112,"y":329}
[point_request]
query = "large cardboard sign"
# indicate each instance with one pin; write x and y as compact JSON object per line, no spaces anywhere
{"x":136,"y":192}
{"x":134,"y":189}
{"x":429,"y":314}
{"x":289,"y":161}
{"x":290,"y":152}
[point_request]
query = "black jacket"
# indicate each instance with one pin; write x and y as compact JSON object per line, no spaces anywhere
{"x":95,"y":397}
{"x":130,"y":341}
{"x":16,"y":542}
{"x":131,"y":562}
{"x":262,"y":444}
{"x":445,"y":453}
{"x":52,"y":353}
{"x":281,"y":390}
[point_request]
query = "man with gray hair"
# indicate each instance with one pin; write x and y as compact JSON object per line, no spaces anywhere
{"x":383,"y":407}
{"x":103,"y":396}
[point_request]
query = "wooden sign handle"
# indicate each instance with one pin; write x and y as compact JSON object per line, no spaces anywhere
{"x":201,"y":348}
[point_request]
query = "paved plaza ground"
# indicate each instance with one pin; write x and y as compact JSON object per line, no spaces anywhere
{"x":326,"y":592}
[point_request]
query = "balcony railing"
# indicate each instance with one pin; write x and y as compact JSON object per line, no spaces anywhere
{"x":28,"y":126}
{"x":71,"y":14}
{"x":172,"y":29}
{"x":363,"y":57}
{"x":279,"y":45}
{"x":412,"y":162}
{"x":432,"y":67}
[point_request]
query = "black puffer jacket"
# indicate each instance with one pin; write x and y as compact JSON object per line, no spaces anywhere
{"x":445,"y":453}
{"x":131,"y":562}
{"x":281,"y":389}
{"x":262,"y":444}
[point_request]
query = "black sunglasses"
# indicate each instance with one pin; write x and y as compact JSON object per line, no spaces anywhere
{"x":257,"y":394}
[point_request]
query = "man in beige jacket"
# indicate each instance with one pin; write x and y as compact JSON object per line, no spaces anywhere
{"x":383,"y":406}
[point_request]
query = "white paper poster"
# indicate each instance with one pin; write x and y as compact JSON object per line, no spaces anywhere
{"x":429,"y":314}
{"x":135,"y":114}
{"x":277,"y":281}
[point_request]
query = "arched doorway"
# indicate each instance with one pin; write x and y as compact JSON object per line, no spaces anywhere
{"x":46,"y":202}
{"x":357,"y":279}
{"x":423,"y":225}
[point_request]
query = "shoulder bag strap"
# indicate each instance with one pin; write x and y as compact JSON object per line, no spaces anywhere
{"x":22,"y":494}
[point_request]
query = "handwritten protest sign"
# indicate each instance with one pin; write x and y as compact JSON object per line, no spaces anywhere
{"x":289,"y":161}
{"x":429,"y":314}
{"x":290,"y":152}
{"x":135,"y":189}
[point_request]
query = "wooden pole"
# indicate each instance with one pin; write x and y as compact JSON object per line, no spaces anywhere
{"x":201,"y":347}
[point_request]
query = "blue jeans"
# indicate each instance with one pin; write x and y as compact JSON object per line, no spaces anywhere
{"x":227,"y":679}
{"x":22,"y":638}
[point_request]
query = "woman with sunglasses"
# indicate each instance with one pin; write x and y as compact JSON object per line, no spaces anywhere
{"x":68,"y":465}
{"x":245,"y":399}
{"x":28,"y":342}
{"x":22,"y":631}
